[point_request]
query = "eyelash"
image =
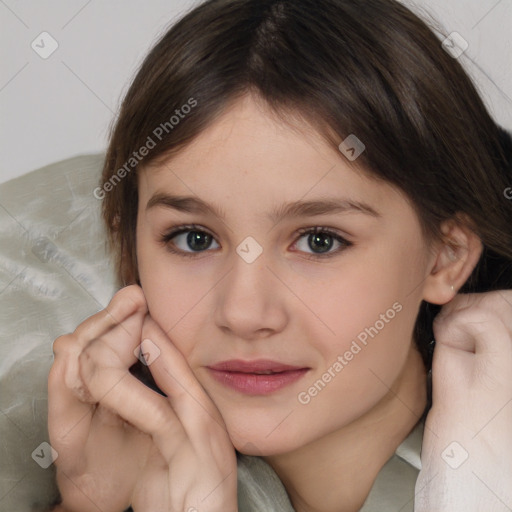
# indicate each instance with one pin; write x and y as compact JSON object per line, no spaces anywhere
{"x":166,"y":238}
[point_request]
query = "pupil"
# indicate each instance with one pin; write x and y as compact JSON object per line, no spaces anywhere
{"x":198,"y":241}
{"x":323,"y":241}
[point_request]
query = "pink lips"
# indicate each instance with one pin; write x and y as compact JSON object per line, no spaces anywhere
{"x":258,"y":377}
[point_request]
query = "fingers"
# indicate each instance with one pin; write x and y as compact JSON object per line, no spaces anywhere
{"x":69,"y":418}
{"x":127,"y":302}
{"x":122,"y":318}
{"x":186,"y":412}
{"x":193,"y":407}
{"x":118,"y":347}
{"x":70,"y":403}
{"x":118,"y":391}
{"x":477,"y":323}
{"x":91,"y":373}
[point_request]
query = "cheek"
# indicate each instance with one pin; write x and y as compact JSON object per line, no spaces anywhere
{"x":176,"y":293}
{"x":359,"y":366}
{"x":366,"y":311}
{"x":363,"y":294}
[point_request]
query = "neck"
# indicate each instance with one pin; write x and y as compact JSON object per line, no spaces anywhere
{"x":336,"y":473}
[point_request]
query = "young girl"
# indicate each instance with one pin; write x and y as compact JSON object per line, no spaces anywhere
{"x":293,"y":190}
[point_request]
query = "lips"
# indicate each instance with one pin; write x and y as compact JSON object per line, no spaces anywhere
{"x":257,"y":377}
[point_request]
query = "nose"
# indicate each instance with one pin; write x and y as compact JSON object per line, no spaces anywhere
{"x":251,"y":301}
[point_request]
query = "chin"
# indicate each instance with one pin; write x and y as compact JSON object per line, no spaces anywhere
{"x":252,"y":438}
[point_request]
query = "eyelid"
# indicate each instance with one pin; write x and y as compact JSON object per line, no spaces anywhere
{"x":341,"y":239}
{"x":183,"y":228}
{"x":323,"y":229}
{"x":167,"y":236}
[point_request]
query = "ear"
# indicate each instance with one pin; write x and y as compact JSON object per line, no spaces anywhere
{"x":453,"y":261}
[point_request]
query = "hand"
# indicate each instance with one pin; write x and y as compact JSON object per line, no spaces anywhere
{"x":193,"y":467}
{"x":472,"y":408}
{"x":119,"y":442}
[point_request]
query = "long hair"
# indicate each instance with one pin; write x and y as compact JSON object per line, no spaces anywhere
{"x":370,"y":68}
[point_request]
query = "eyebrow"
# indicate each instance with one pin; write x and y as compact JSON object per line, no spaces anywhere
{"x":190,"y":204}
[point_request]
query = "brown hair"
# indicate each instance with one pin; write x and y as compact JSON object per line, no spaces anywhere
{"x":370,"y":68}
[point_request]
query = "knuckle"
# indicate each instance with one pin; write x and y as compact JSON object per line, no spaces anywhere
{"x":84,"y":385}
{"x":162,"y":419}
{"x":117,"y":298}
{"x":90,"y":359}
{"x":97,"y":362}
{"x":91,"y":354}
{"x":86,"y":365}
{"x":99,"y":353}
{"x":124,"y":303}
{"x":85,"y":329}
{"x":136,"y":295}
{"x":132,"y":293}
{"x":63,"y":344}
{"x":473,"y":313}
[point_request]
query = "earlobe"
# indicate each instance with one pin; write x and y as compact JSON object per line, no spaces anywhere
{"x":454,"y":260}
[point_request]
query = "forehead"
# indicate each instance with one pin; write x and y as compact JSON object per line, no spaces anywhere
{"x":250,"y":155}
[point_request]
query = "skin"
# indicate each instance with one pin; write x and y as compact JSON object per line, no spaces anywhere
{"x":472,"y":407}
{"x":119,"y":442}
{"x":287,"y":307}
{"x":169,"y":453}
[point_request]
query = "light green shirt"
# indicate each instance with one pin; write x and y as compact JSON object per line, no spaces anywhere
{"x":260,"y":490}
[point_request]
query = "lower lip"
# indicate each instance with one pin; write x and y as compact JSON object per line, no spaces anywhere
{"x":257,"y":384}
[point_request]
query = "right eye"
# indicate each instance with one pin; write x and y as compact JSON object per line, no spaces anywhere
{"x":187,"y":240}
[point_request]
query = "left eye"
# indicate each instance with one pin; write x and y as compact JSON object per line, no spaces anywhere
{"x":321,"y":241}
{"x":188,"y":241}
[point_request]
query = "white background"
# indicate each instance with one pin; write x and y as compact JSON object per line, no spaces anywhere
{"x":63,"y":106}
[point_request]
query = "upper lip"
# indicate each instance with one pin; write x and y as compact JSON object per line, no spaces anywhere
{"x":257,"y":365}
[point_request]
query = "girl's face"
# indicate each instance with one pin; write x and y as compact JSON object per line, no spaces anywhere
{"x":330,"y":313}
